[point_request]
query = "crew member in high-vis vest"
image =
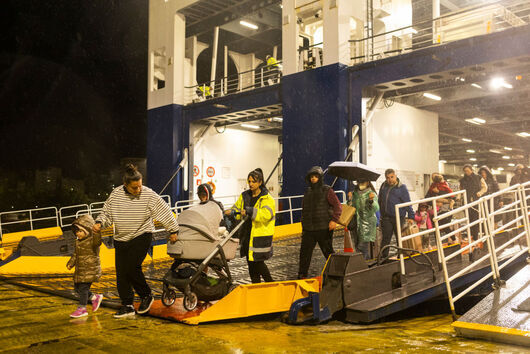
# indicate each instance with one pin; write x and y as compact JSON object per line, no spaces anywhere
{"x":204,"y":92}
{"x":256,"y":233}
{"x":273,"y":71}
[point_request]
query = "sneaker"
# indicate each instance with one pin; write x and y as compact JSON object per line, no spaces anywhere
{"x":96,"y":302}
{"x":80,"y":312}
{"x":125,"y":311}
{"x":145,"y":304}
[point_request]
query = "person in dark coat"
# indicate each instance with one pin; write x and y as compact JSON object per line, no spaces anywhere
{"x":86,"y":262}
{"x":518,"y":175}
{"x":475,"y":187}
{"x":492,"y":184}
{"x":321,"y":211}
{"x":391,"y":193}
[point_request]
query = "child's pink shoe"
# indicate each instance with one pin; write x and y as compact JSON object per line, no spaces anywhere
{"x":80,"y":312}
{"x":96,"y":302}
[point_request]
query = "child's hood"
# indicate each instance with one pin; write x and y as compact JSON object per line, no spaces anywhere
{"x":86,"y":222}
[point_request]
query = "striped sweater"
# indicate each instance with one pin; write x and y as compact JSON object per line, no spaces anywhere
{"x":133,"y":216}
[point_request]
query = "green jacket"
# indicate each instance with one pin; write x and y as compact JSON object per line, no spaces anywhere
{"x":365,"y":214}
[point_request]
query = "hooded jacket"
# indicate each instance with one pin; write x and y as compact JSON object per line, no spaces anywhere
{"x":320,"y":204}
{"x":366,"y":209}
{"x":86,"y":255}
{"x":389,"y":196}
{"x":474,"y":185}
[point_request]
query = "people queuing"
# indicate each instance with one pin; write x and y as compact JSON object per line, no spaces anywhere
{"x":475,"y":187}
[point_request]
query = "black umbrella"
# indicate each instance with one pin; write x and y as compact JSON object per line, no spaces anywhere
{"x":353,"y":171}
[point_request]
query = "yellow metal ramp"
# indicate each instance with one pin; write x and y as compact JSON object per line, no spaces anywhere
{"x":244,"y":301}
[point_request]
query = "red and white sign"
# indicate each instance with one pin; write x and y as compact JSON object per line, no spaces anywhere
{"x":195,"y":171}
{"x":199,"y":181}
{"x":210,"y":171}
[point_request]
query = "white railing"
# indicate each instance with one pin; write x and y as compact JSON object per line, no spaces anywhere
{"x":63,"y":217}
{"x":469,"y":22}
{"x":244,"y":81}
{"x":230,"y":200}
{"x":488,"y":228}
{"x":19,"y":218}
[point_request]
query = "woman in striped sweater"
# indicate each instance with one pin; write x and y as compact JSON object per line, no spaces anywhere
{"x":131,"y":208}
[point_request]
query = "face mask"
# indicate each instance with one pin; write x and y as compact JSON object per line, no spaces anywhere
{"x":362,"y":186}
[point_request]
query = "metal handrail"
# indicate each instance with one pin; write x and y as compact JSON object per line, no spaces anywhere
{"x":31,"y":220}
{"x":233,"y":83}
{"x":428,"y":33}
{"x":62,"y":217}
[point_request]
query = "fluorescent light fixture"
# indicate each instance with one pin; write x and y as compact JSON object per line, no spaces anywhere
{"x":523,"y":134}
{"x":432,"y":96}
{"x":277,"y":119}
{"x":467,"y":140}
{"x":471,"y":151}
{"x":498,"y":82}
{"x":500,"y":169}
{"x":443,"y":161}
{"x":495,"y":151}
{"x":251,"y":126}
{"x":506,"y":157}
{"x":476,"y":120}
{"x":476,"y":85}
{"x":472,"y":159}
{"x":475,"y":165}
{"x":511,"y":164}
{"x":508,"y":148}
{"x":248,"y":24}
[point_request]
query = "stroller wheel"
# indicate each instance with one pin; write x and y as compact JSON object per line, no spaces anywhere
{"x":168,"y":296}
{"x":190,"y":301}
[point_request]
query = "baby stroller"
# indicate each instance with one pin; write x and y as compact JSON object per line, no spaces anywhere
{"x":201,"y":244}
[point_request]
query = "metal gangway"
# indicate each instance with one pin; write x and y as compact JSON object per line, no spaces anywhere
{"x":487,"y":213}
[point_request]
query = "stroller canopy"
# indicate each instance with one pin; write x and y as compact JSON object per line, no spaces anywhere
{"x":202,"y":218}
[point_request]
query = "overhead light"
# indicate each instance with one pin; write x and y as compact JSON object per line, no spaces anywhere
{"x":506,"y":157}
{"x":476,"y":85}
{"x":476,"y":120}
{"x":495,"y":151}
{"x":471,"y":151}
{"x":500,"y":169}
{"x":472,"y":159}
{"x":523,"y":134}
{"x":248,"y":24}
{"x":250,"y":126}
{"x":511,"y":164}
{"x":508,"y":148}
{"x":475,"y":165}
{"x":432,"y":96}
{"x":277,"y":119}
{"x":443,"y":161}
{"x":460,"y":78}
{"x":498,"y":82}
{"x":467,"y":140}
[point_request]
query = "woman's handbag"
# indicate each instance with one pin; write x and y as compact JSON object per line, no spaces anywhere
{"x":347,"y":214}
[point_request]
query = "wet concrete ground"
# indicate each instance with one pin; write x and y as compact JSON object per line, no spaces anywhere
{"x":33,"y":321}
{"x":36,"y":322}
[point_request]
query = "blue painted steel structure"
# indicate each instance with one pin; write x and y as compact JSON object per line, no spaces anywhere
{"x":319,"y":106}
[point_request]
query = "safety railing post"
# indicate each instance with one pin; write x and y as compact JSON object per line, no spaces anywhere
{"x":524,"y":207}
{"x":399,"y":241}
{"x":483,"y":214}
{"x":437,"y":236}
{"x":30,"y":220}
{"x":291,"y":209}
{"x":469,"y":237}
{"x":261,"y":77}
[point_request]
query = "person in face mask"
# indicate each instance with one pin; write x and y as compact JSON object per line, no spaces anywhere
{"x":364,"y":200}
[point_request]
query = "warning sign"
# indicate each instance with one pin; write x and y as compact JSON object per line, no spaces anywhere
{"x":199,"y":181}
{"x":195,"y":170}
{"x":210,"y":171}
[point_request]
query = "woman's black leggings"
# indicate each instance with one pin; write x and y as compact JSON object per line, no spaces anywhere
{"x":257,"y":270}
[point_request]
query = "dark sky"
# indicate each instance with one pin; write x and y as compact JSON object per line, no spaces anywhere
{"x":73,"y":84}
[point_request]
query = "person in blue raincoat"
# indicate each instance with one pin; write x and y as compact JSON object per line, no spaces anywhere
{"x":364,"y":200}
